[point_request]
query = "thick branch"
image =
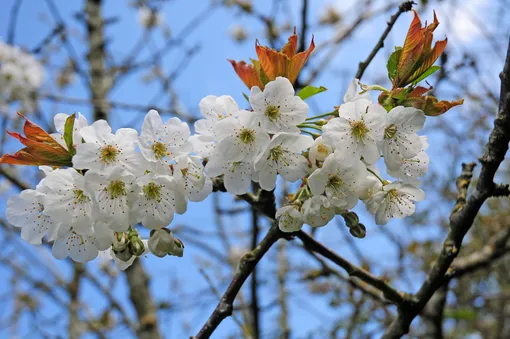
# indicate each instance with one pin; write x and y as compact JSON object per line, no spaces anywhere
{"x":138,"y":282}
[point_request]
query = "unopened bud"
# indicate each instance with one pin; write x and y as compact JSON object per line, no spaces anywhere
{"x":120,"y":241}
{"x":321,"y":122}
{"x":358,"y":231}
{"x":178,"y":249}
{"x":351,"y":219}
{"x":161,"y":242}
{"x":136,"y":246}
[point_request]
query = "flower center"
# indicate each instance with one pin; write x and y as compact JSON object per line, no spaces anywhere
{"x":334,"y":181}
{"x":247,"y":135}
{"x":390,"y":131}
{"x":152,"y":191}
{"x":321,"y":148}
{"x":116,"y":188}
{"x":359,"y":129}
{"x":79,"y":197}
{"x":160,"y":150}
{"x":276,"y":153}
{"x":272,"y":112}
{"x":109,"y":154}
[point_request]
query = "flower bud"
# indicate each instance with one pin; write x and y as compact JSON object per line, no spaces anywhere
{"x":178,"y":249}
{"x":161,"y":242}
{"x":358,"y":231}
{"x":120,"y":241}
{"x":136,"y":246}
{"x":351,"y":219}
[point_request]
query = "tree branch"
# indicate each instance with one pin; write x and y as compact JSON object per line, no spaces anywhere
{"x":404,"y":7}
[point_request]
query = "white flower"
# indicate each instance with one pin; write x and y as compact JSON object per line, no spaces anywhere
{"x":400,"y":138}
{"x":66,"y":200}
{"x":163,"y":142}
{"x":60,"y":120}
{"x":357,"y":130}
{"x":214,"y":109}
{"x":396,"y":200}
{"x":278,"y":108}
{"x":26,"y":211}
{"x":240,"y":139}
{"x":289,"y":218}
{"x":190,"y":178}
{"x":103,"y":150}
{"x":340,"y":179}
{"x":155,"y":199}
{"x":352,"y":93}
{"x":317,"y":211}
{"x":414,"y":167}
{"x":80,"y":248}
{"x":110,"y":191}
{"x":237,"y":175}
{"x":282,"y":156}
{"x":203,"y":145}
{"x":370,"y":185}
{"x":161,"y":242}
{"x":319,"y":151}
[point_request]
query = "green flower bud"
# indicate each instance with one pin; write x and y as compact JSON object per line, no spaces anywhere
{"x":161,"y":242}
{"x":358,"y":231}
{"x":136,"y":246}
{"x":178,"y":249}
{"x":120,"y":241}
{"x":351,"y":219}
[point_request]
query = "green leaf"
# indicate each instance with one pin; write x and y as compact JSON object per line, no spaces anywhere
{"x":393,"y":63}
{"x":431,"y":70}
{"x":309,"y":91}
{"x":68,"y":133}
{"x":246,"y":97}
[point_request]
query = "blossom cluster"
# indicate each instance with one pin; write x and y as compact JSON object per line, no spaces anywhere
{"x":21,"y":75}
{"x":123,"y":179}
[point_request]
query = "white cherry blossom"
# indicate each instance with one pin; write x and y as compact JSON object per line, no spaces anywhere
{"x":289,"y":218}
{"x":66,"y":200}
{"x":240,"y":139}
{"x":415,"y":167}
{"x":339,"y":179}
{"x":318,"y":211}
{"x":155,"y":199}
{"x":161,"y":242}
{"x":25,"y":210}
{"x":104,"y":150}
{"x":319,"y":151}
{"x":163,"y":142}
{"x":191,"y":179}
{"x":278,"y":108}
{"x":81,"y":248}
{"x":357,"y":130}
{"x":395,"y":200}
{"x":400,"y":139}
{"x":283,"y":156}
{"x":237,"y":175}
{"x":214,"y":109}
{"x":110,"y":192}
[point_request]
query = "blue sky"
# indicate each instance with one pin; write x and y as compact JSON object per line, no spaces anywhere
{"x":208,"y":72}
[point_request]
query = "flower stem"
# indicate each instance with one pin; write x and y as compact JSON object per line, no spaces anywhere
{"x":309,"y":126}
{"x":335,"y":112}
{"x":376,"y":175}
